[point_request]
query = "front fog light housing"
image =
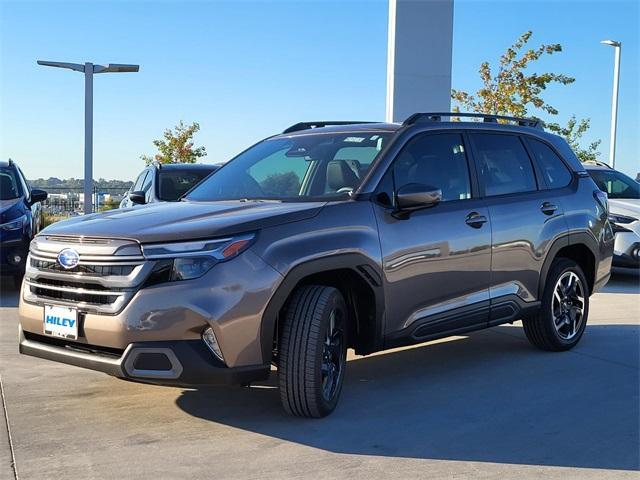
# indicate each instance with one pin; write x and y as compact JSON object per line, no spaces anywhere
{"x":14,"y":258}
{"x":209,"y":339}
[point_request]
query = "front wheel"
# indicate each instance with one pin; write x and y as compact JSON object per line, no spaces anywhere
{"x":312,"y":352}
{"x":562,"y":318}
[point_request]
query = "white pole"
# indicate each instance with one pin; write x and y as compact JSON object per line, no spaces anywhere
{"x":614,"y":105}
{"x":391,"y":52}
{"x":88,"y":138}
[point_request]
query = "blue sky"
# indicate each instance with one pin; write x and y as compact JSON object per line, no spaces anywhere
{"x":245,"y":70}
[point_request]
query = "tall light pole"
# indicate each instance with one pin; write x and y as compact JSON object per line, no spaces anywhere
{"x":614,"y":100}
{"x":89,"y":69}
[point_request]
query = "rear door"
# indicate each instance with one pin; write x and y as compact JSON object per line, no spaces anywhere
{"x":526,"y":218}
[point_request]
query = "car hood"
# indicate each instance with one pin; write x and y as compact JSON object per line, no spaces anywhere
{"x":7,"y":204}
{"x":625,"y":206}
{"x":176,"y":221}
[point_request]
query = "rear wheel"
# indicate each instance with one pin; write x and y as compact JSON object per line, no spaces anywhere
{"x":312,"y":351}
{"x":562,"y":318}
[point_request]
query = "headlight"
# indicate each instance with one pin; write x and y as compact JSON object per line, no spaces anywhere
{"x":617,"y":222}
{"x":16,"y":224}
{"x":189,"y":260}
{"x":621,"y":219}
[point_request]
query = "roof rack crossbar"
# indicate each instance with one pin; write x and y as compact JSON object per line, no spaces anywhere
{"x":309,"y":125}
{"x":437,"y":117}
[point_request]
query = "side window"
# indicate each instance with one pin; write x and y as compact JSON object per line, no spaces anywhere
{"x":553,"y":169}
{"x":146,"y":185}
{"x":504,"y":164}
{"x":25,"y":185}
{"x":137,"y":186}
{"x":437,"y":160}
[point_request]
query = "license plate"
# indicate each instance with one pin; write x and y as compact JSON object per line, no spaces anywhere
{"x":61,"y":321}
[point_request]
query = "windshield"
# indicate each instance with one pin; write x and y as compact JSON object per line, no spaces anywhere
{"x":616,"y":184}
{"x":175,"y":183}
{"x":314,"y":166}
{"x":9,"y":187}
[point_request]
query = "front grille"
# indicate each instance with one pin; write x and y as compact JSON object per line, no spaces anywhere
{"x":74,"y":297}
{"x":99,"y":270}
{"x":108,"y":273}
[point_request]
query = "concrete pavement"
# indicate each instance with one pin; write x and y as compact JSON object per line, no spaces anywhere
{"x":486,"y":405}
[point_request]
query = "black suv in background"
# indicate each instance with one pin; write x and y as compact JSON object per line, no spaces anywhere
{"x":20,"y":218}
{"x":165,"y":182}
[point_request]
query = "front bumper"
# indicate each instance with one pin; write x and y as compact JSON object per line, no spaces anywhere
{"x":626,"y":252}
{"x":230,"y":299}
{"x":184,"y":363}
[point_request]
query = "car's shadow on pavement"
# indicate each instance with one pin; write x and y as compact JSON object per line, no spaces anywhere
{"x":623,"y":283}
{"x":487,"y":397}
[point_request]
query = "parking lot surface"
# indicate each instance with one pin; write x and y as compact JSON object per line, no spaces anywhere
{"x":486,"y":405}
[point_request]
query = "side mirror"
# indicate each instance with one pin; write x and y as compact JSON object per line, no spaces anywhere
{"x":138,"y":197}
{"x":38,"y":195}
{"x":415,"y":196}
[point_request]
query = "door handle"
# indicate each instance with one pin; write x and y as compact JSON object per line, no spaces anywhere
{"x":475,"y":220}
{"x":548,"y":208}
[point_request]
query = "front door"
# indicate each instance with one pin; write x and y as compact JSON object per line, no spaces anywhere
{"x":436,"y":261}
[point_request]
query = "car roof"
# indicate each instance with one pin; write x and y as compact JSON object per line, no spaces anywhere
{"x":595,"y":166}
{"x":5,"y":163}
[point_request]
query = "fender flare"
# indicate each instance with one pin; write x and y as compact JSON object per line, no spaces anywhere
{"x":361,"y":265}
{"x":569,"y":239}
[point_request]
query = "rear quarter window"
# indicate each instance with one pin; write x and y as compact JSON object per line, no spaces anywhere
{"x":553,"y":168}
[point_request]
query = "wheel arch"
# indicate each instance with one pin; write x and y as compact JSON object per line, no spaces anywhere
{"x":356,"y":276}
{"x":579,"y":247}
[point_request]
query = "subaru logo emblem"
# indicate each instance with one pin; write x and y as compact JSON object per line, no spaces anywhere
{"x":68,"y":258}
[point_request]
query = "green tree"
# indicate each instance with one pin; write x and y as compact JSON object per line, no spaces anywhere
{"x":573,"y":132}
{"x":177,"y":146}
{"x":514,"y":88}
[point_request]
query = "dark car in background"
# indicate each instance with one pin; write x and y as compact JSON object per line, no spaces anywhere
{"x":166,"y":182}
{"x":20,"y":218}
{"x":624,"y":213}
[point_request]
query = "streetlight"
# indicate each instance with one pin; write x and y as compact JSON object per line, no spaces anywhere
{"x":89,"y":69}
{"x":614,"y":100}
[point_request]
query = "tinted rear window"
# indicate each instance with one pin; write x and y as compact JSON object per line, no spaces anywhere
{"x":174,"y":184}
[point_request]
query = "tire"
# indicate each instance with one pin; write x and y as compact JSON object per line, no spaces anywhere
{"x":310,"y":371}
{"x":561,"y":321}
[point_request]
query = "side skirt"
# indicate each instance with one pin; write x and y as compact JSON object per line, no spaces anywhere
{"x":462,"y":320}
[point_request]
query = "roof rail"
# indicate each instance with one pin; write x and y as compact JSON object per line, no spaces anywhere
{"x":486,"y":117}
{"x":599,"y":163}
{"x":309,"y":125}
{"x":156,"y":163}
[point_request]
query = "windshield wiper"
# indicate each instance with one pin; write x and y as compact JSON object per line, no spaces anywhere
{"x":259,"y":200}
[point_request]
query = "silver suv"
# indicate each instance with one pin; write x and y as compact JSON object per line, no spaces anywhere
{"x":331,"y":235}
